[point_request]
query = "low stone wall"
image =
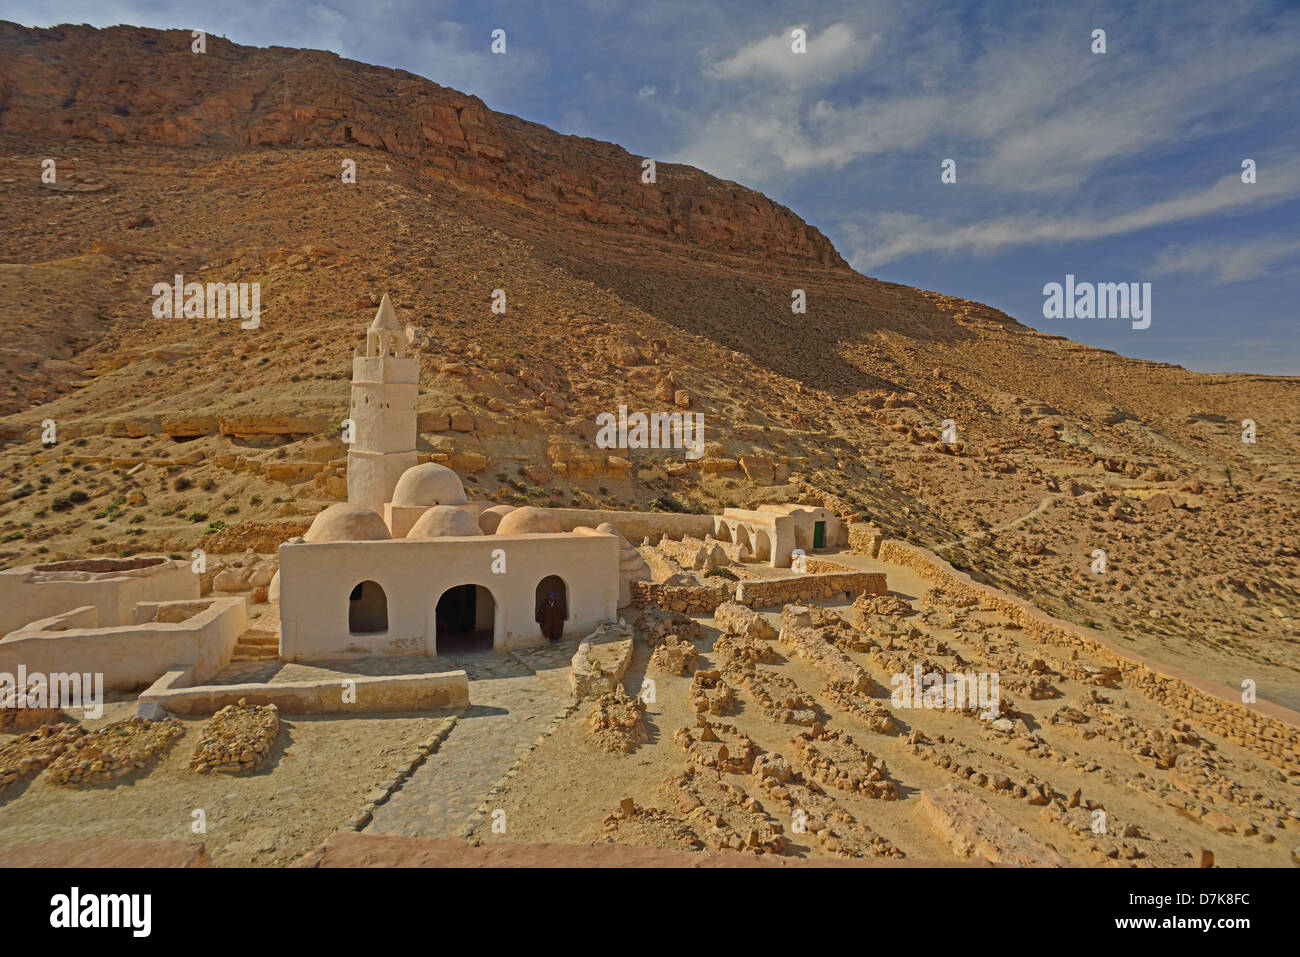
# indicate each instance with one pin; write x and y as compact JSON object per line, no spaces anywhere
{"x":691,"y":599}
{"x":635,"y":526}
{"x":131,"y":656}
{"x":1266,"y":729}
{"x":819,"y":566}
{"x":865,"y":539}
{"x":112,"y":585}
{"x":434,"y":691}
{"x":804,"y":588}
{"x":761,"y":593}
{"x":601,"y":661}
{"x":697,"y":554}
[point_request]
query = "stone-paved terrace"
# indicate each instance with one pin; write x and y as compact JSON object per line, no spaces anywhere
{"x":513,"y":699}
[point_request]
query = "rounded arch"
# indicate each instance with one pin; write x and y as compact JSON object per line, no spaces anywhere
{"x":743,"y":540}
{"x":549,"y":616}
{"x":465,"y":619}
{"x":762,"y":544}
{"x":367,"y":609}
{"x":723,"y":532}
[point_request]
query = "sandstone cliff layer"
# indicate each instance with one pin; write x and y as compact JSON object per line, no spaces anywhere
{"x":142,"y":86}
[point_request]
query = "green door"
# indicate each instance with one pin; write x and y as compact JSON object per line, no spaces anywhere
{"x":819,"y":534}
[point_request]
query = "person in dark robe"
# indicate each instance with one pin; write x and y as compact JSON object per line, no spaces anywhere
{"x":551,"y":615}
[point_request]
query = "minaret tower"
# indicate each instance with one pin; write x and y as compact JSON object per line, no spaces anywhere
{"x":385,"y":383}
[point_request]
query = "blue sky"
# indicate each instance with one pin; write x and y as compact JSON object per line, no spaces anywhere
{"x":1115,"y":167}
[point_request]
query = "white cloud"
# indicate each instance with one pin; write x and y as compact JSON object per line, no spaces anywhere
{"x":1024,"y":109}
{"x":893,"y":236}
{"x":1228,"y":261}
{"x":831,"y":53}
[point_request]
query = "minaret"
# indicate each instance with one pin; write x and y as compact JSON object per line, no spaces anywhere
{"x":385,"y":383}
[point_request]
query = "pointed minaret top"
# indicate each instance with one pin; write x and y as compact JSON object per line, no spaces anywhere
{"x":386,"y":317}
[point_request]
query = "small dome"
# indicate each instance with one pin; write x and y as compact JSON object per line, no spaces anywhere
{"x":428,"y":485}
{"x":606,"y":528}
{"x":444,"y":521}
{"x":528,"y":520}
{"x":346,"y":522}
{"x":490,"y":518}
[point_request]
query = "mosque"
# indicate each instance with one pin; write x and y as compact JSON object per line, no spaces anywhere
{"x":409,"y":565}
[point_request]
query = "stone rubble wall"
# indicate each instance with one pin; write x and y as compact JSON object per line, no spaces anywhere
{"x":696,"y":553}
{"x":759,"y":593}
{"x":865,"y":539}
{"x":691,"y":599}
{"x":1276,"y":738}
{"x":803,"y":588}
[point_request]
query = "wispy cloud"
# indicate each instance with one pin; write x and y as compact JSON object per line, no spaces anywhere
{"x":1229,"y":262}
{"x":891,"y":236}
{"x":1031,"y":110}
{"x":830,"y":53}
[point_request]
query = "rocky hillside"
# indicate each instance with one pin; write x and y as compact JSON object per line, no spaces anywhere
{"x":130,"y":85}
{"x":225,"y":167}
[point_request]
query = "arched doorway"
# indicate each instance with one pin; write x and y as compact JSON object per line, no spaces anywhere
{"x":464,"y":619}
{"x":367,"y":609}
{"x":723,"y":532}
{"x":762,"y":545}
{"x":551,"y":585}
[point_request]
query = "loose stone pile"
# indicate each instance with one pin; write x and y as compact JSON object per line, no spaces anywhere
{"x":833,"y":759}
{"x":674,"y":656}
{"x":710,"y":693}
{"x":618,"y":721}
{"x":777,"y":696}
{"x":20,"y":711}
{"x":655,"y":625}
{"x":29,"y":754}
{"x":633,"y":824}
{"x":884,"y":605}
{"x":743,"y":651}
{"x":723,"y":815}
{"x":812,"y":812}
{"x":237,"y":738}
{"x":113,"y":751}
{"x":723,"y":747}
{"x":737,"y":619}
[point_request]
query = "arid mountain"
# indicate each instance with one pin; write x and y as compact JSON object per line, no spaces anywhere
{"x":225,"y":167}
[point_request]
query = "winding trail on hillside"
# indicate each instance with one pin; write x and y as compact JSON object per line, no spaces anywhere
{"x":1038,"y":509}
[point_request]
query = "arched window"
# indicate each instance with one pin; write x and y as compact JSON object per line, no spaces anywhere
{"x":367,"y":609}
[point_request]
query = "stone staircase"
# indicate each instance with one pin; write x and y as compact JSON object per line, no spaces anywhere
{"x":254,"y":645}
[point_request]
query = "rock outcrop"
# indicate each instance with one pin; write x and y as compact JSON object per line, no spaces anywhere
{"x":141,"y":86}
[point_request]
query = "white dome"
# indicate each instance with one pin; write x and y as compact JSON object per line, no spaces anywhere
{"x":428,"y":485}
{"x":444,"y":521}
{"x":528,"y":520}
{"x":346,"y":522}
{"x":490,"y":518}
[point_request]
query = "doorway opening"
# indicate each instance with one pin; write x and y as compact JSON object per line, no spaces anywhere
{"x":464,"y":619}
{"x":549,"y":616}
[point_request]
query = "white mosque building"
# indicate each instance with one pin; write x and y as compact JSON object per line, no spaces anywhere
{"x":408,"y":564}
